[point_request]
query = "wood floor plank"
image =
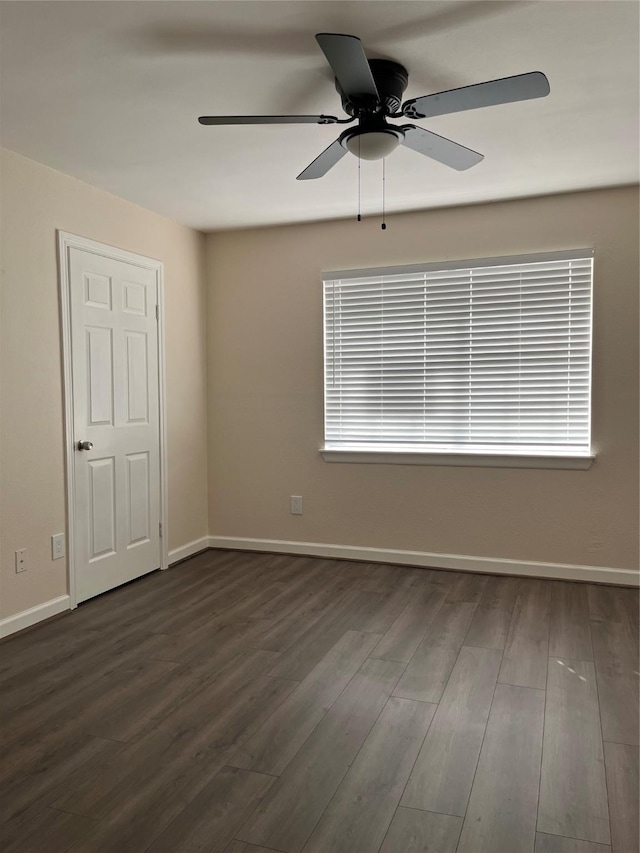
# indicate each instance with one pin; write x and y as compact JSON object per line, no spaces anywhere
{"x":378,"y":611}
{"x":449,"y":628}
{"x":622,"y":765}
{"x":43,"y":828}
{"x":256,"y":604}
{"x":157,"y":606}
{"x":157,"y":778}
{"x":443,"y":774}
{"x":296,"y":617}
{"x":210,"y":820}
{"x":614,"y":604}
{"x":157,"y":770}
{"x":524,"y":663}
{"x":632,"y":604}
{"x":418,"y":577}
{"x":573,"y":792}
{"x":298,"y":661}
{"x":502,"y":809}
{"x":144,"y":709}
{"x":216,"y":642}
{"x":431,"y":669}
{"x":489,"y":628}
{"x":25,"y":654}
{"x":185,"y":750}
{"x":404,"y":636}
{"x":134,"y":826}
{"x":102,"y":656}
{"x":380,"y":577}
{"x":499,"y":593}
{"x":212,"y":605}
{"x":414,"y":831}
{"x":279,"y":739}
{"x":442,"y":577}
{"x":468,"y":587}
{"x":617,"y":668}
{"x":492,"y":618}
{"x":82,"y":709}
{"x":42,"y":777}
{"x":180,"y":695}
{"x":362,"y":809}
{"x":558,"y":844}
{"x":427,"y":674}
{"x":293,"y":806}
{"x":307,"y":582}
{"x":243,"y":847}
{"x":224,"y":722}
{"x":284,"y":633}
{"x":570,"y":635}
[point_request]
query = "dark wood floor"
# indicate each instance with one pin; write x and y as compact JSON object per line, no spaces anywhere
{"x":250,"y":703}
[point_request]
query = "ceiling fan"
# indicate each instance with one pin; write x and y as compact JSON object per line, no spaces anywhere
{"x":371,"y":92}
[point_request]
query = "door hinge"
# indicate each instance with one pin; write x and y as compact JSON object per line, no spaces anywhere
{"x":160,"y":529}
{"x":157,"y":312}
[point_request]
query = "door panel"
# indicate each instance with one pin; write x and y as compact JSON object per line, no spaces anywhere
{"x":114,"y":347}
{"x":100,"y":376}
{"x":139,"y":498}
{"x":97,"y":289}
{"x":137,"y":379}
{"x":135,"y":298}
{"x":102,"y":508}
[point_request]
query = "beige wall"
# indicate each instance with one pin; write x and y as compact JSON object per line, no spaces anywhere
{"x":35,"y":202}
{"x":265,"y":393}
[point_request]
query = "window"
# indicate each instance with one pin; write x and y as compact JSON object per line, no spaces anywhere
{"x":466,"y":362}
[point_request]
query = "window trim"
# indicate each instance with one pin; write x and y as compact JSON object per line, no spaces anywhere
{"x":469,"y":460}
{"x":462,"y":458}
{"x":409,"y":269}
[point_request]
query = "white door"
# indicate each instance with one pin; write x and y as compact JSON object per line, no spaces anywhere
{"x":114,"y":350}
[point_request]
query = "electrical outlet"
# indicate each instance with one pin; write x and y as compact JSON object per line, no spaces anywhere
{"x":21,"y":560}
{"x":57,"y":546}
{"x":296,"y":505}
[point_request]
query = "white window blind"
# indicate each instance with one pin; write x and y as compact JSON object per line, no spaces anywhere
{"x":489,"y":356}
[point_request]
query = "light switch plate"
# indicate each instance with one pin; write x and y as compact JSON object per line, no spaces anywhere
{"x":21,"y":560}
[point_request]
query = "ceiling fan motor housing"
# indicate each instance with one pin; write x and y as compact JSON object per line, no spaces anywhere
{"x":391,"y":80}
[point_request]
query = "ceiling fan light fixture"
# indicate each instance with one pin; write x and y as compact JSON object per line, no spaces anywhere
{"x":373,"y":144}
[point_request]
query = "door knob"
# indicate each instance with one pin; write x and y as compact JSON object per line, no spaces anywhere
{"x":85,"y":445}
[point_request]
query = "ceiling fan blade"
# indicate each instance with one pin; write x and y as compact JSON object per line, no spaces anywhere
{"x":323,"y":162}
{"x":348,"y":62}
{"x":321,"y":119}
{"x":520,"y":87}
{"x":438,"y":148}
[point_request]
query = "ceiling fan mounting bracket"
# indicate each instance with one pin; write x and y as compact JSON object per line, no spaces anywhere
{"x":391,"y":80}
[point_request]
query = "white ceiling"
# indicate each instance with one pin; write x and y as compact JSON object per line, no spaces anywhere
{"x":109,"y":92}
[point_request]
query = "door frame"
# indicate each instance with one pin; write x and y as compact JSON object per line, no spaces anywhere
{"x":66,"y":242}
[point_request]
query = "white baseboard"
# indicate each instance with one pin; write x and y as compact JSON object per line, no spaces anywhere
{"x":188,"y":550}
{"x":33,"y":615}
{"x":455,"y":562}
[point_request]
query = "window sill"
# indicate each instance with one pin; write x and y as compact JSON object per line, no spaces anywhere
{"x":469,"y":460}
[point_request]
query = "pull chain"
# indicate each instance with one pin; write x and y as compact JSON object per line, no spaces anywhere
{"x":359,"y":194}
{"x":384,"y":177}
